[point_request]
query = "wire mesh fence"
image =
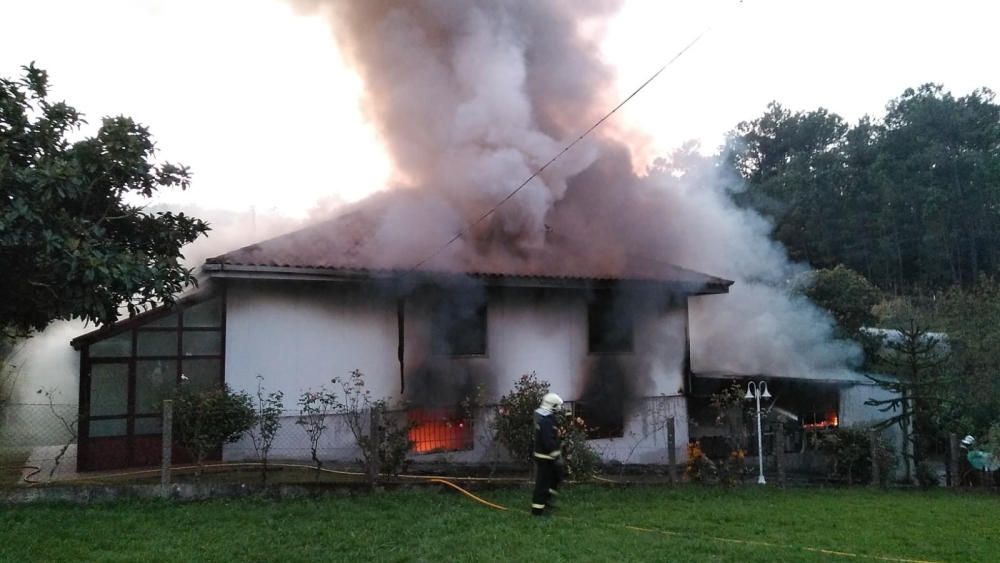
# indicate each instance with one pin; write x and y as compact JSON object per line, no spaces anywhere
{"x":37,"y":440}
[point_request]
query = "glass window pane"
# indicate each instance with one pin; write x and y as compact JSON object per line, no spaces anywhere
{"x":150,"y":425}
{"x":169,"y":320}
{"x":203,"y":374}
{"x":108,"y":389}
{"x":202,"y":342}
{"x":113,"y":427}
{"x":154,"y":382}
{"x":206,"y":314}
{"x":156,"y":343}
{"x":116,"y":346}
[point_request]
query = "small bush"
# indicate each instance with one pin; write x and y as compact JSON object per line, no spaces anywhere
{"x":848,"y":452}
{"x":581,"y":460}
{"x":699,"y":469}
{"x":358,"y":407}
{"x":733,"y":469}
{"x":205,"y":420}
{"x":267,"y":420}
{"x":314,"y":408}
{"x":514,"y":422}
{"x":514,"y":428}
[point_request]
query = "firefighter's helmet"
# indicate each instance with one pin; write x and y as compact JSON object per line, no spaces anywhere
{"x":551,"y":401}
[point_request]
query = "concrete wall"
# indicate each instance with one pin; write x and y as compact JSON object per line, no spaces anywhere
{"x":299,"y":336}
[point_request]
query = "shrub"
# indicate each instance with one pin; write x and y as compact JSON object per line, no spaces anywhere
{"x":392,"y":444}
{"x":733,"y":469}
{"x":514,"y":422}
{"x":267,"y":420}
{"x":581,"y":459}
{"x":514,"y":428}
{"x":699,"y":469}
{"x":849,"y":453}
{"x":205,"y":420}
{"x":314,"y":408}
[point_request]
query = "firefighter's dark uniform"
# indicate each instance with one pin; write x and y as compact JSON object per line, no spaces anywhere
{"x":548,"y":461}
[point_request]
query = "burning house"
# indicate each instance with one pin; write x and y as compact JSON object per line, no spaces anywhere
{"x":318,"y":303}
{"x":494,"y":253}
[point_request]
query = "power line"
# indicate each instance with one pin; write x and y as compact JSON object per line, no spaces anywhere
{"x":566,"y":149}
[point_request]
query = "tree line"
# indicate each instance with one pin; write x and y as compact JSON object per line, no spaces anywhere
{"x":911,"y":200}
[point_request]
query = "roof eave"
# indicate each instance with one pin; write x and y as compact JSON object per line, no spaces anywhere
{"x":295,"y":273}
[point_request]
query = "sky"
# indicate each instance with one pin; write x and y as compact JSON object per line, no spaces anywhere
{"x":255,"y":98}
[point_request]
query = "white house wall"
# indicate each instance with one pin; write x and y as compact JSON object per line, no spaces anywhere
{"x":854,"y":412}
{"x":300,"y":336}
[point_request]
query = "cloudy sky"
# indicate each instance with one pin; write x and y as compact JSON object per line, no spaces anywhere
{"x":255,"y":97}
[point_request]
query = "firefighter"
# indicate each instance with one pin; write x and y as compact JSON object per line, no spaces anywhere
{"x":548,"y":456}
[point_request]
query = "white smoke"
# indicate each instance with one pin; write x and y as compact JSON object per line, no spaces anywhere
{"x":763,"y":326}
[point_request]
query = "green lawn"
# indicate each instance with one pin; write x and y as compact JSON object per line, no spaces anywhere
{"x":592,"y":524}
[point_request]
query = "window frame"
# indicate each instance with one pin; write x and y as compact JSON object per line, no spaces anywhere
{"x":133,"y":327}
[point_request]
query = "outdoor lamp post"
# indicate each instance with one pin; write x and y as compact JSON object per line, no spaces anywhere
{"x":758,"y":390}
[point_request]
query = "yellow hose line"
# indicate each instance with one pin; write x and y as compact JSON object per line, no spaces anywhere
{"x":468,"y":494}
{"x":284,"y":465}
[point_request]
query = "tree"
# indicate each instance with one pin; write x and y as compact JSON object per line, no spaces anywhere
{"x":851,"y":299}
{"x":915,"y":358}
{"x":909,"y":200}
{"x":971,"y":318}
{"x":939,"y":164}
{"x":848,"y":295}
{"x":70,"y":243}
{"x":793,"y":165}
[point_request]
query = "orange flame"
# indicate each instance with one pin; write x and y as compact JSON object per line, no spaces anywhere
{"x":439,"y":430}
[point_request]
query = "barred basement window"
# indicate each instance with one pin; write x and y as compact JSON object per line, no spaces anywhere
{"x":439,"y":430}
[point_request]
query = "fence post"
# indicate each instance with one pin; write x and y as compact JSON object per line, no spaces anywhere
{"x":779,"y":451}
{"x":873,"y":452}
{"x":672,"y":449}
{"x":168,"y":443}
{"x":375,"y":435}
{"x":954,"y":455}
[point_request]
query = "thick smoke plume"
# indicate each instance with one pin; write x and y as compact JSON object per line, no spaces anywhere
{"x":471,"y":97}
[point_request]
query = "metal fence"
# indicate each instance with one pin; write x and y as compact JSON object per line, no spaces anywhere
{"x":38,"y":441}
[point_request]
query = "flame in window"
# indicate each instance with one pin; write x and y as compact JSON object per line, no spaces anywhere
{"x":829,"y":421}
{"x":439,"y":430}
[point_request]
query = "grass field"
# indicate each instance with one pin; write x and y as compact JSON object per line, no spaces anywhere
{"x":592,"y":524}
